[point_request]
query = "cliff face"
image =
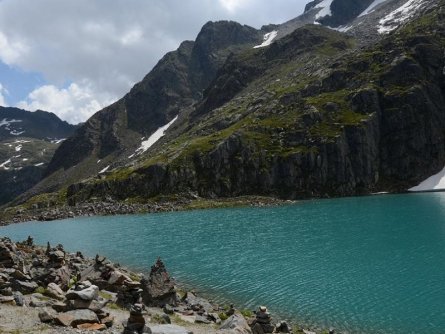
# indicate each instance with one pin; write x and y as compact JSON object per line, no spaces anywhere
{"x":175,"y":83}
{"x":348,"y":122}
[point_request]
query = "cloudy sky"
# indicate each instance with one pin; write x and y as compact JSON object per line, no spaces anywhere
{"x":74,"y":57}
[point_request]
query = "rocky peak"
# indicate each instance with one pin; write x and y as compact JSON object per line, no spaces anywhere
{"x":215,"y":42}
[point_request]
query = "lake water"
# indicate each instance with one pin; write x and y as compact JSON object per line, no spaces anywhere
{"x":361,"y":265}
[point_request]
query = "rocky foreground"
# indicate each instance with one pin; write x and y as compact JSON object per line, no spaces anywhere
{"x":48,"y":290}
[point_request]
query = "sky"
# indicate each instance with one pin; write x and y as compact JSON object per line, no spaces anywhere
{"x":74,"y":57}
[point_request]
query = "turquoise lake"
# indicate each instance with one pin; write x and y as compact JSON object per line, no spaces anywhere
{"x":360,"y":265}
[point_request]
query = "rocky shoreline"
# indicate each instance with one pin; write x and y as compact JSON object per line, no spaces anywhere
{"x":49,"y":290}
{"x":48,"y":212}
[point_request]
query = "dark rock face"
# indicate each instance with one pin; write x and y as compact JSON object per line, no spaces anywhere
{"x":343,"y":11}
{"x":177,"y":81}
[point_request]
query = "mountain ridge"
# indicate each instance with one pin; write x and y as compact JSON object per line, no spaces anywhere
{"x":28,"y":141}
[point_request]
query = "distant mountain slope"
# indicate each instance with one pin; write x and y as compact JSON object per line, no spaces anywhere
{"x":28,"y":141}
{"x":16,"y":122}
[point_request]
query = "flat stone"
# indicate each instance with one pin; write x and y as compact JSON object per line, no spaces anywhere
{"x":92,"y":305}
{"x":76,"y":317}
{"x":169,"y":329}
{"x":202,"y":320}
{"x":25,"y":287}
{"x":86,"y":294}
{"x":92,"y":327}
{"x":59,"y":307}
{"x":64,"y":319}
{"x":7,"y":300}
{"x":46,"y":316}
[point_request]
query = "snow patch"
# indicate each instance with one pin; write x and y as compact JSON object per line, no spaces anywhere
{"x":325,"y":9}
{"x":39,"y":164}
{"x":342,"y":28}
{"x":268,"y":39}
{"x":394,"y":19}
{"x":57,"y":141}
{"x":371,"y":7}
{"x":435,"y":182}
{"x":7,"y":123}
{"x":16,"y":133}
{"x":18,"y":148}
{"x":158,"y":134}
{"x":104,"y":170}
{"x":3,"y":165}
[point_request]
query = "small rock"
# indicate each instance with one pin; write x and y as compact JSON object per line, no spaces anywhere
{"x":7,"y":300}
{"x":86,"y":294}
{"x":92,"y":327}
{"x":19,"y":299}
{"x":201,"y":320}
{"x":166,"y":318}
{"x":46,"y":316}
{"x":168,"y":309}
{"x":25,"y":287}
{"x":108,"y":321}
{"x":54,"y":291}
{"x":60,"y":307}
{"x":236,"y":324}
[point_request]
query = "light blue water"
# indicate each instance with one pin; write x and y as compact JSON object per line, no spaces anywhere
{"x":371,"y":264}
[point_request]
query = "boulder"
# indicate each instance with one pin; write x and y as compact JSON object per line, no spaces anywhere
{"x":46,"y":316}
{"x":169,"y":329}
{"x":18,"y":298}
{"x":86,"y":294}
{"x":24,"y":287}
{"x":118,"y":278}
{"x":76,"y":317}
{"x":235,"y":324}
{"x":7,"y":253}
{"x":197,"y":303}
{"x":54,"y":291}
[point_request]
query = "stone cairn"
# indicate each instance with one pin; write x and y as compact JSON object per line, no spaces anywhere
{"x":263,"y":322}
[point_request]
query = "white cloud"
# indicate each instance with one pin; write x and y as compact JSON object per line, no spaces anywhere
{"x":74,"y":104}
{"x":3,"y":92}
{"x":110,"y":44}
{"x":233,"y":5}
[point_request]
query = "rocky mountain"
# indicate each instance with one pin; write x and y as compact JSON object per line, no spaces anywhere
{"x":28,"y":141}
{"x":295,"y":110}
